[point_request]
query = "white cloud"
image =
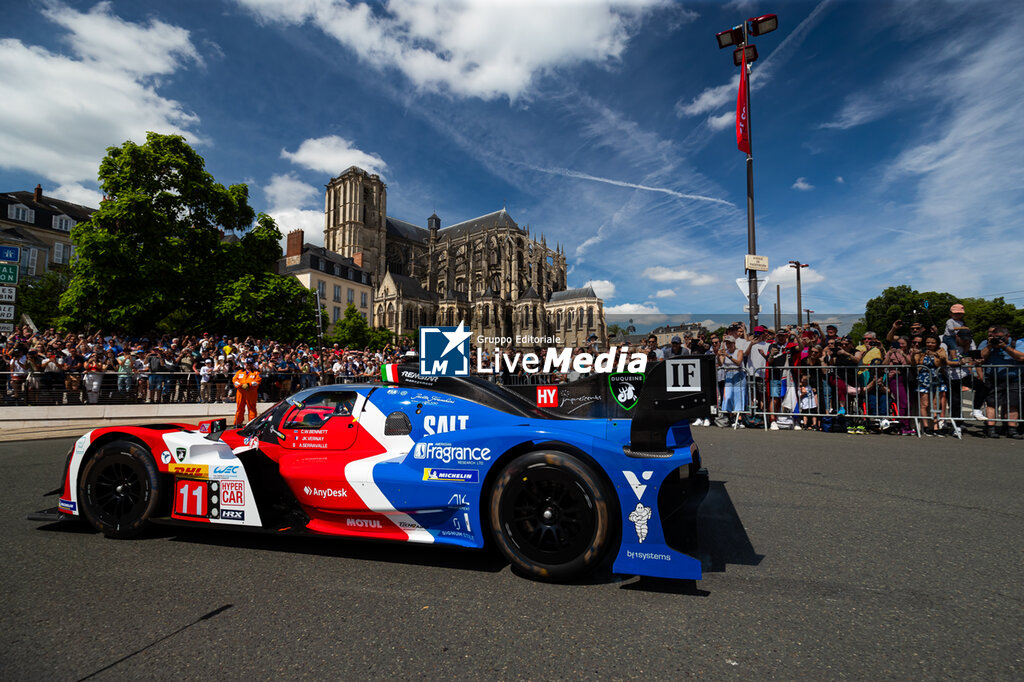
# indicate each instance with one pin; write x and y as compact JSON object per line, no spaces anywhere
{"x":474,"y":48}
{"x":632,"y":309}
{"x":61,"y":113}
{"x":840,"y":180}
{"x":723,"y":121}
{"x":333,"y":155}
{"x":76,"y":194}
{"x":802,"y":185}
{"x":660,"y":273}
{"x":602,"y":287}
{"x":287,"y":199}
{"x":100,"y":37}
{"x":665,"y":293}
{"x":785,"y":276}
{"x":287,"y":190}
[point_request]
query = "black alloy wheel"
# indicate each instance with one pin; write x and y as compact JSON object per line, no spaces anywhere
{"x":120,"y":489}
{"x":551,"y":515}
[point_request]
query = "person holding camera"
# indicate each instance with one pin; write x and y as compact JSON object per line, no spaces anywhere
{"x":961,"y":354}
{"x":247,"y":382}
{"x":1002,"y":360}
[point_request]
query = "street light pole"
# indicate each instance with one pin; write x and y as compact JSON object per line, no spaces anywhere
{"x":744,"y":56}
{"x":799,"y":303}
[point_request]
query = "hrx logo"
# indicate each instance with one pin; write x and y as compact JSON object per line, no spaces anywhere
{"x":444,"y":351}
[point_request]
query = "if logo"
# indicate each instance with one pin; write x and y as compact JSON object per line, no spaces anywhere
{"x":682,"y":376}
{"x":444,"y":351}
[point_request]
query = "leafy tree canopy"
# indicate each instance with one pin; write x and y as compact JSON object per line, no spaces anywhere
{"x":932,"y":308}
{"x":352,"y":331}
{"x":154,"y":255}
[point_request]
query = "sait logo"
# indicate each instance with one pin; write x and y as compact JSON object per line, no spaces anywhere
{"x":444,"y":351}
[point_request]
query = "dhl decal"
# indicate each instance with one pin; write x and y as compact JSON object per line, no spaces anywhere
{"x":194,"y":470}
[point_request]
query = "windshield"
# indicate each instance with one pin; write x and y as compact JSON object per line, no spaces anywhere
{"x":272,"y":415}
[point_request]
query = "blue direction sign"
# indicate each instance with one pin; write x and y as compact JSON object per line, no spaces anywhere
{"x":11,"y":254}
{"x":8,"y":273}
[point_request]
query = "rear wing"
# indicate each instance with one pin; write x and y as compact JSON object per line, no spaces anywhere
{"x":673,"y":390}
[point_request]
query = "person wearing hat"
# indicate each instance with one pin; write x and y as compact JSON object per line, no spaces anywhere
{"x":956,"y":320}
{"x":205,"y":380}
{"x":675,"y":349}
{"x":247,"y":382}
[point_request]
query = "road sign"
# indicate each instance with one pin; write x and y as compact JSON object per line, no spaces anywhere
{"x":8,"y":273}
{"x":6,"y":311}
{"x":6,"y":327}
{"x":7,"y":294}
{"x":743,"y":284}
{"x":754,"y":262}
{"x":746,"y":308}
{"x":10,"y":253}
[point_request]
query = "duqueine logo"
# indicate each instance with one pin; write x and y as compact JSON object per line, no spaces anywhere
{"x":625,"y":389}
{"x":444,"y":351}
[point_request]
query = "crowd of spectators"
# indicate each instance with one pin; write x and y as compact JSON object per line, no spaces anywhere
{"x":801,"y":377}
{"x":912,"y":382}
{"x":49,"y":368}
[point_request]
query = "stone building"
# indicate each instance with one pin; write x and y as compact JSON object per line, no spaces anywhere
{"x":41,"y":227}
{"x":488,"y":271}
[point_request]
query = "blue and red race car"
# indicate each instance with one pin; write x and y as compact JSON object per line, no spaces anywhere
{"x":449,"y":461}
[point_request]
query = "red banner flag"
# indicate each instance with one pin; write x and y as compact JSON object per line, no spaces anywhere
{"x":743,"y":110}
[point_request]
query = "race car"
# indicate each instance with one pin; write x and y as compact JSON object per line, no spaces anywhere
{"x":443,"y":460}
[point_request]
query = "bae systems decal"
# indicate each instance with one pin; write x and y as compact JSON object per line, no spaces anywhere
{"x":325,"y":492}
{"x":447,"y":453}
{"x":461,"y":475}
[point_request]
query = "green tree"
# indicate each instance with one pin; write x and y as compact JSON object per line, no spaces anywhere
{"x":154,"y":255}
{"x":352,"y":331}
{"x":614,"y":330}
{"x":932,"y":307}
{"x":154,"y":246}
{"x":40,"y":298}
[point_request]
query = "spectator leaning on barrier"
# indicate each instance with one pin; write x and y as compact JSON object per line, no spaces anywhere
{"x":757,"y":360}
{"x":1003,"y":361}
{"x":931,"y":385}
{"x":961,"y":372}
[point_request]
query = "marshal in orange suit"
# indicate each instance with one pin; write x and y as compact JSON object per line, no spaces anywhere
{"x":246,"y":382}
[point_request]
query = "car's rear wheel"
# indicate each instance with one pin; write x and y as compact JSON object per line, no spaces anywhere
{"x":120,"y":489}
{"x":551,"y":515}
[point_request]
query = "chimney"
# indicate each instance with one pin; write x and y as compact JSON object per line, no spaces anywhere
{"x":295,"y":241}
{"x":293,"y":255}
{"x":37,"y":196}
{"x":357,"y":258}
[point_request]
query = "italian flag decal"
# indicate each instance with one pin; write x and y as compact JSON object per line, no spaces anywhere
{"x":389,"y":374}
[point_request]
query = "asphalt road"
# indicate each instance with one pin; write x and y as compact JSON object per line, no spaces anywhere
{"x":826,"y":556}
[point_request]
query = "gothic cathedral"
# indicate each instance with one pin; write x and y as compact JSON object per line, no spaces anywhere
{"x":487,"y":271}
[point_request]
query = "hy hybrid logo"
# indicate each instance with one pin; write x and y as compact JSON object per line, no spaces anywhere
{"x":444,"y":351}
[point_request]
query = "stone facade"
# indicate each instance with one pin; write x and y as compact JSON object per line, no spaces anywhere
{"x":488,"y":271}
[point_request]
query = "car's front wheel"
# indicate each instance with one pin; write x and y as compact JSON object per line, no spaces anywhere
{"x":551,"y":515}
{"x":120,"y":489}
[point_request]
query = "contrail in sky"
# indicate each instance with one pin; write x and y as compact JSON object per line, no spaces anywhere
{"x":671,"y":192}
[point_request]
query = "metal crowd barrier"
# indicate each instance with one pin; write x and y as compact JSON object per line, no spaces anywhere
{"x":112,"y":388}
{"x":904,"y":398}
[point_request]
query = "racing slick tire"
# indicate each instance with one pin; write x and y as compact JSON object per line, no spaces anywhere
{"x":551,"y":516}
{"x":120,"y":489}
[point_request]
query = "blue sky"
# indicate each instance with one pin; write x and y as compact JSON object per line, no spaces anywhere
{"x":887,"y":135}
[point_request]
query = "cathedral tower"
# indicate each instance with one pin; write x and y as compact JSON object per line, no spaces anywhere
{"x":354,"y":218}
